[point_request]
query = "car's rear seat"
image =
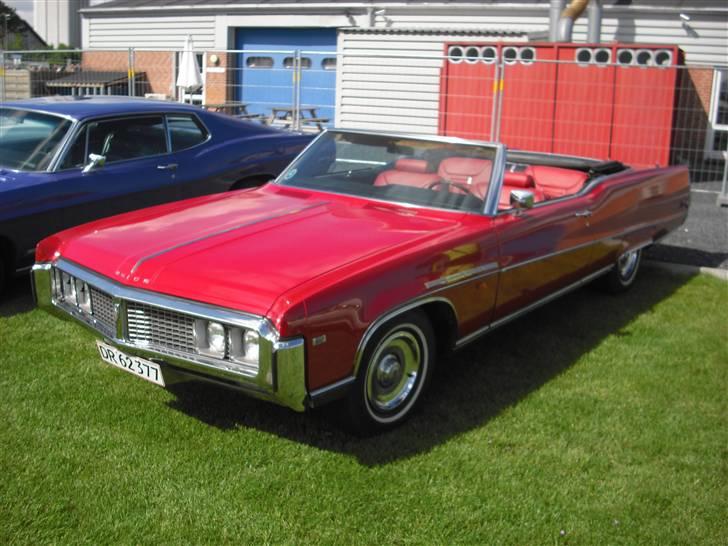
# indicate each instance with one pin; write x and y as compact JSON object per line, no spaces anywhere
{"x":407,"y":172}
{"x":556,"y":182}
{"x":518,"y":181}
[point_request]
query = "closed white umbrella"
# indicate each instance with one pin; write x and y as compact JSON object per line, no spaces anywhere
{"x":189,"y":77}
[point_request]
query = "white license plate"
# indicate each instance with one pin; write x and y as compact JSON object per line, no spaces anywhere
{"x":132,"y":364}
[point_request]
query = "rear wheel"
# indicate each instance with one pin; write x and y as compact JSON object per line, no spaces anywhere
{"x":395,"y":370}
{"x":624,"y":272}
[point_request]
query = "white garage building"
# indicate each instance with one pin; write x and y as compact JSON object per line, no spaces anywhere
{"x":380,"y":76}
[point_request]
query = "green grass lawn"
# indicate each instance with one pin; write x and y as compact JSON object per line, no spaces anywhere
{"x":594,"y":420}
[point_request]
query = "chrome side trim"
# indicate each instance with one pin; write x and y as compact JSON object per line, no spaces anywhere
{"x":222,"y":232}
{"x":330,"y":392}
{"x":500,"y":322}
{"x":462,"y":275}
{"x":554,"y":254}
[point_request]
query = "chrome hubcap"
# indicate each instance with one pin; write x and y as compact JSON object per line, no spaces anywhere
{"x":389,"y":371}
{"x":395,"y":368}
{"x":627,"y":263}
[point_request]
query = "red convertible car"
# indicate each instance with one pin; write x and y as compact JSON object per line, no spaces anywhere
{"x":348,"y":275}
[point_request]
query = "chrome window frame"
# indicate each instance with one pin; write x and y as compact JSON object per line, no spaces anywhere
{"x":62,"y":145}
{"x":198,"y":119}
{"x":490,"y":203}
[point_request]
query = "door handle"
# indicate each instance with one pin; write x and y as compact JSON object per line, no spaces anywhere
{"x":167,"y":167}
{"x":583,"y":213}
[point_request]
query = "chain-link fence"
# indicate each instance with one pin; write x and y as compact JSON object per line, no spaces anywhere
{"x":640,"y":106}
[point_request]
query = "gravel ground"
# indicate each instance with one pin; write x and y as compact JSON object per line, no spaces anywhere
{"x":703,"y":239}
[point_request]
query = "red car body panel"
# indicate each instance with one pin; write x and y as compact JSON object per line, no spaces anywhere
{"x":320,"y":264}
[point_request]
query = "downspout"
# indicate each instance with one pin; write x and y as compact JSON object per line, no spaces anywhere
{"x":568,"y":17}
{"x":555,"y":9}
{"x":594,"y":31}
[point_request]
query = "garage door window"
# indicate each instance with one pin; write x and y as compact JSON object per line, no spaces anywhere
{"x":259,"y":62}
{"x":289,"y":62}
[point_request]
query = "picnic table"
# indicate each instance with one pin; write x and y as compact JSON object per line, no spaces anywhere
{"x":234,"y":108}
{"x":284,"y":117}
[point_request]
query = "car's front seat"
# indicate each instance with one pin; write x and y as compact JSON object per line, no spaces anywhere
{"x":407,"y":172}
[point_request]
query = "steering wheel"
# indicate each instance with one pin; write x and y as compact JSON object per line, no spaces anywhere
{"x":447,"y":183}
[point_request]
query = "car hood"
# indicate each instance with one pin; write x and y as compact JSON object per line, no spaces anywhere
{"x":245,"y":249}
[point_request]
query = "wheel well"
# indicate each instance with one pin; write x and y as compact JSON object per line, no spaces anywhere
{"x":441,"y":315}
{"x":252,"y":181}
{"x":444,"y":324}
{"x":7,"y":254}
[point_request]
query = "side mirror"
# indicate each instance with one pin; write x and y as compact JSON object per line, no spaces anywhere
{"x":522,"y":199}
{"x":95,"y":161}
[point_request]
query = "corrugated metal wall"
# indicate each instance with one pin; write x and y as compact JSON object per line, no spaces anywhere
{"x":704,"y":37}
{"x":149,"y":32}
{"x":382,"y":84}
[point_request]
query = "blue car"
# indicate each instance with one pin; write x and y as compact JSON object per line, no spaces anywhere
{"x":65,"y":161}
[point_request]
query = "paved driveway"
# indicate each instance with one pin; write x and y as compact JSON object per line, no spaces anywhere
{"x":703,"y":239}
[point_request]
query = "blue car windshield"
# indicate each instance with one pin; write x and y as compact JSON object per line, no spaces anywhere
{"x":29,"y":140}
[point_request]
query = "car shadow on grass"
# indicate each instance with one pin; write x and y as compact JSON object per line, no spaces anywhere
{"x":17,"y":297}
{"x":470,"y":388}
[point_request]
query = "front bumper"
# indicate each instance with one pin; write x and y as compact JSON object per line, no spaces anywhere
{"x":280,"y":377}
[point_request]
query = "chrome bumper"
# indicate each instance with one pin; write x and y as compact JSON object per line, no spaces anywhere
{"x":281,"y":374}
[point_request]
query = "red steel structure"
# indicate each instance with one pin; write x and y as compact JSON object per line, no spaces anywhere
{"x":609,"y":101}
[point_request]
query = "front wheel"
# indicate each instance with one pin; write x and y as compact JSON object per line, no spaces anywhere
{"x":394,"y":372}
{"x":624,"y":272}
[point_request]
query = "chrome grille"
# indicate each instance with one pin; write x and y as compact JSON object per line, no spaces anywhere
{"x":160,"y":328}
{"x":102,"y":307}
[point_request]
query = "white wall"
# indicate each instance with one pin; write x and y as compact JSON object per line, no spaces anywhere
{"x":704,"y":38}
{"x":58,"y":21}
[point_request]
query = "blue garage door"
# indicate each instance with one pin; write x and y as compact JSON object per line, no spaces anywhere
{"x":266,"y":68}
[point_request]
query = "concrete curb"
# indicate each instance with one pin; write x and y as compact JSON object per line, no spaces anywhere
{"x":681,"y":269}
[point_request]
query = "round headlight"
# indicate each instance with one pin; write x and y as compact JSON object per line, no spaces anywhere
{"x":216,"y":337}
{"x":251,"y":345}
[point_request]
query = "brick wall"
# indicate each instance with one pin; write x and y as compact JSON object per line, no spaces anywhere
{"x":691,"y":119}
{"x":219,"y":78}
{"x":154,"y":69}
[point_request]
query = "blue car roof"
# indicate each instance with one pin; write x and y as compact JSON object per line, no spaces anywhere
{"x":84,"y":107}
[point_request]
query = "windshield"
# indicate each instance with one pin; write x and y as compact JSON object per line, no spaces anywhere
{"x":29,"y":140}
{"x":396,"y":169}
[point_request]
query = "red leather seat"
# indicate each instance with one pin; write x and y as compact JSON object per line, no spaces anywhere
{"x":407,"y":172}
{"x":518,"y":181}
{"x":557,"y":182}
{"x":468,"y":171}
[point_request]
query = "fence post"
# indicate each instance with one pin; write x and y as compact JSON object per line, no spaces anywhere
{"x":3,"y":80}
{"x":496,"y":107}
{"x":130,"y":74}
{"x":723,"y":195}
{"x":297,"y":92}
